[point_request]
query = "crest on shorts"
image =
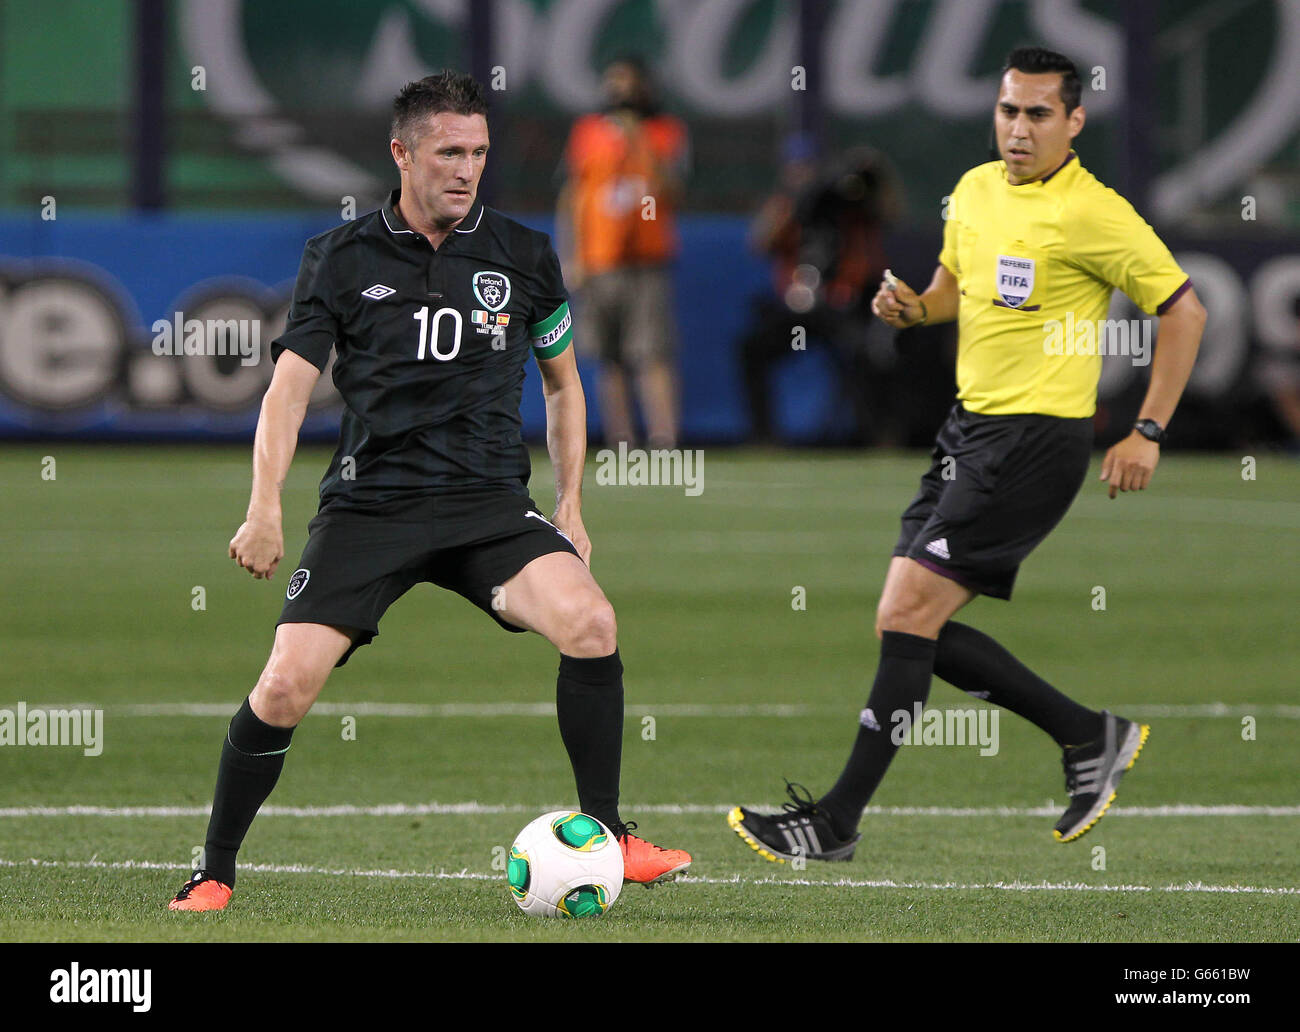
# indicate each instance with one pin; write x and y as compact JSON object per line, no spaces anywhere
{"x":1015,"y":280}
{"x":492,"y":290}
{"x":296,"y":583}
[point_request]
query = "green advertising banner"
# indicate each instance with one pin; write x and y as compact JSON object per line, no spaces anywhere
{"x":283,"y":103}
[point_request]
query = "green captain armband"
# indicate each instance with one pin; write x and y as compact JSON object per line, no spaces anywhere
{"x":553,"y":334}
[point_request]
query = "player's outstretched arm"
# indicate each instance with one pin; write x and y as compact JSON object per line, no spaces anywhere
{"x":566,"y":441}
{"x":901,"y":307}
{"x":258,"y":545}
{"x":1128,"y":465}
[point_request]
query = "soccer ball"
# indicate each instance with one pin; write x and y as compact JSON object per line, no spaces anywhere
{"x":565,"y":864}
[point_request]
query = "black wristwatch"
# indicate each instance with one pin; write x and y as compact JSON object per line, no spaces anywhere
{"x":1150,"y":429}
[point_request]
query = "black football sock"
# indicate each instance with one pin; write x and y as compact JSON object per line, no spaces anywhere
{"x":902,"y":681}
{"x":589,"y":703}
{"x":972,"y":661}
{"x":251,"y":760}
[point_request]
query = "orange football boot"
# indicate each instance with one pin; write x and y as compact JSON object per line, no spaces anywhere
{"x":202,"y":892}
{"x":648,"y":864}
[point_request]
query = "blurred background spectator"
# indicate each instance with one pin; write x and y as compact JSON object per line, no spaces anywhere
{"x":1278,"y":378}
{"x":624,"y":170}
{"x":823,"y":231}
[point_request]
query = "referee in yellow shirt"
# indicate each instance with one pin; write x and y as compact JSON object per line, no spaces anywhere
{"x":1033,"y":247}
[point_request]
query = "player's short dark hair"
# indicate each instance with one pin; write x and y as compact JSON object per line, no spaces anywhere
{"x":449,"y":91}
{"x":1039,"y":61}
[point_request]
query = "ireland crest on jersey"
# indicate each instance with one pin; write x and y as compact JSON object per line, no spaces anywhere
{"x":1015,"y":280}
{"x":492,"y":289}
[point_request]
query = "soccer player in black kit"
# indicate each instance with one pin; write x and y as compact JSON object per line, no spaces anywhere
{"x":433,"y":305}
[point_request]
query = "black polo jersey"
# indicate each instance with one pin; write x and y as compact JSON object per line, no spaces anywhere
{"x":430,"y":349}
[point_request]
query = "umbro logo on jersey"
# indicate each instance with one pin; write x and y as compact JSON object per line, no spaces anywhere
{"x":378,"y":292}
{"x":939,"y":547}
{"x":296,"y":583}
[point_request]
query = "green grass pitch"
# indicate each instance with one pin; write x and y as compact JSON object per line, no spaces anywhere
{"x":730,"y":686}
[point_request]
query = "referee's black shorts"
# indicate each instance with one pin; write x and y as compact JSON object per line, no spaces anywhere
{"x":358,"y":562}
{"x":996,"y":488}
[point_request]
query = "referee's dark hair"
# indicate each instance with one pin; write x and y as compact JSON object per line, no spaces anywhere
{"x":450,"y":91}
{"x":1038,"y":61}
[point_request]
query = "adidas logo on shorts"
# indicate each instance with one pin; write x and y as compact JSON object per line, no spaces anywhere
{"x":939,"y":547}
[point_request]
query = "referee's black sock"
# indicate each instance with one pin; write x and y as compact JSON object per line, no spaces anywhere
{"x":902,"y":681}
{"x":589,"y":703}
{"x":972,"y":661}
{"x":251,"y":760}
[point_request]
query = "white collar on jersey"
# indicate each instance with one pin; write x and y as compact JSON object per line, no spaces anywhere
{"x":476,"y":221}
{"x":390,"y":225}
{"x":383,"y":212}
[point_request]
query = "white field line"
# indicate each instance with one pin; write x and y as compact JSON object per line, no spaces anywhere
{"x":1210,"y":710}
{"x":673,"y":809}
{"x":838,"y":883}
{"x":443,"y":709}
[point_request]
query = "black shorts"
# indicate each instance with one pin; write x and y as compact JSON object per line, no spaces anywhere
{"x":996,"y":488}
{"x":358,"y":562}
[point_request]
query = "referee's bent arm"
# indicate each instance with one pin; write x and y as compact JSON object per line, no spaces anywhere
{"x":1177,"y":342}
{"x":1128,"y":465}
{"x":900,"y":306}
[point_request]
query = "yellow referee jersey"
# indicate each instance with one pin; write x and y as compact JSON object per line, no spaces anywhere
{"x":1036,"y":265}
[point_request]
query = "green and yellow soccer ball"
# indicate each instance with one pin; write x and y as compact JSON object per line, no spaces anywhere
{"x":565,"y":864}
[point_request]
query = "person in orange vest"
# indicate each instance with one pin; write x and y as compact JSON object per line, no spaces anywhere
{"x":624,"y":171}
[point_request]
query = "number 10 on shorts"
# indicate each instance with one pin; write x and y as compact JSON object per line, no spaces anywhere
{"x":422,"y":317}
